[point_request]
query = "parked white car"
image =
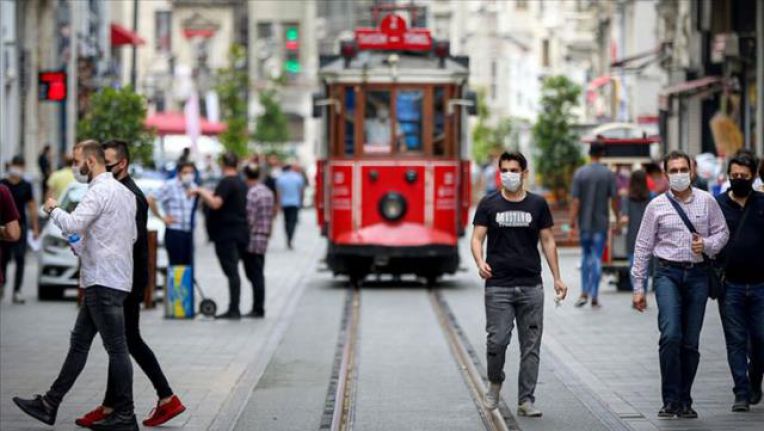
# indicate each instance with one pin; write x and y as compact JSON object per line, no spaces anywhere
{"x":58,"y":267}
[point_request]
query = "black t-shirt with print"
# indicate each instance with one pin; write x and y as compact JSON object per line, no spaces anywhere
{"x":513,"y":236}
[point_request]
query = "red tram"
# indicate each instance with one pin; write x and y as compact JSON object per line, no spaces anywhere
{"x":393,"y":178}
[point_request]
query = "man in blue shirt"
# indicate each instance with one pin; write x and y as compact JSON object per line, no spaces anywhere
{"x":290,"y":186}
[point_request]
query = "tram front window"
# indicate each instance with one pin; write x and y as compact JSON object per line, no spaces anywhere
{"x":377,"y":123}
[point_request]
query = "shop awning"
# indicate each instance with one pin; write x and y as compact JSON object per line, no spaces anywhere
{"x":643,"y":59}
{"x":687,"y":87}
{"x":174,"y":123}
{"x":122,"y":36}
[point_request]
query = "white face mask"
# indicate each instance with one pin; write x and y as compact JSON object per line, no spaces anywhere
{"x":15,"y":171}
{"x":512,"y":180}
{"x":187,"y":179}
{"x":679,"y":182}
{"x":78,"y":175}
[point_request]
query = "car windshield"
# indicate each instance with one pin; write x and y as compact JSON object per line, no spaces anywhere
{"x":72,"y":197}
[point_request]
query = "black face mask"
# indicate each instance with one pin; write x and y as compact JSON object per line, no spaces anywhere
{"x":741,"y":187}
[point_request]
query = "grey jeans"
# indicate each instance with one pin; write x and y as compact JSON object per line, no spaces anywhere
{"x":504,"y":306}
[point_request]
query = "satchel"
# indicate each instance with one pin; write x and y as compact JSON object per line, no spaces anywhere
{"x":715,"y":268}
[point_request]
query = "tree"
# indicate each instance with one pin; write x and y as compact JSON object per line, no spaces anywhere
{"x":558,"y":154}
{"x":232,"y":86}
{"x":119,"y":113}
{"x":271,"y":126}
{"x":482,"y":134}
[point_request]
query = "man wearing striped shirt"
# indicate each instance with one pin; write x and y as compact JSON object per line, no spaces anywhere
{"x":681,"y":278}
{"x":259,"y":221}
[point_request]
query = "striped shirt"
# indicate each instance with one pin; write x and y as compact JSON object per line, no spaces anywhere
{"x":177,"y":204}
{"x":664,"y":235}
{"x":259,"y":217}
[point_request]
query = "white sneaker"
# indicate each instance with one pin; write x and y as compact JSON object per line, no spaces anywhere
{"x":17,"y":298}
{"x":491,"y":400}
{"x":528,"y":409}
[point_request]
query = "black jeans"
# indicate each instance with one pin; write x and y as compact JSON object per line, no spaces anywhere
{"x":253,"y":266}
{"x":16,"y":251}
{"x":102,"y":311}
{"x":138,"y":349}
{"x":229,"y":252}
{"x":180,"y":247}
{"x":290,"y":221}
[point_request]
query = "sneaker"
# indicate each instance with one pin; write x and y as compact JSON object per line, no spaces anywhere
{"x":755,"y":396}
{"x":116,"y":422}
{"x":687,"y":413}
{"x":255,"y":314}
{"x":741,"y":405}
{"x":97,"y":414}
{"x":164,"y":412}
{"x":529,"y":410}
{"x":17,"y":298}
{"x":668,"y":412}
{"x":229,"y":315}
{"x":582,"y":300}
{"x":491,"y":400}
{"x":38,"y":408}
{"x":596,"y":304}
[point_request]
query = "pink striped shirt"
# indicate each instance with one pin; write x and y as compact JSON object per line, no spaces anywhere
{"x":664,"y":235}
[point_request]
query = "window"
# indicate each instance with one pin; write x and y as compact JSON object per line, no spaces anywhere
{"x":521,"y":4}
{"x":348,"y":112}
{"x":494,"y":68}
{"x":545,"y":53}
{"x":377,"y":125}
{"x":439,"y":121}
{"x":163,"y":31}
{"x":408,"y":111}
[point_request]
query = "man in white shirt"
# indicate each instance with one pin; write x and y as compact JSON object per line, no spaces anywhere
{"x":105,"y":222}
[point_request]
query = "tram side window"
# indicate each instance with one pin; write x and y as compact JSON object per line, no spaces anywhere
{"x":349,"y":113}
{"x":409,"y":116}
{"x":377,"y":126}
{"x":439,"y":121}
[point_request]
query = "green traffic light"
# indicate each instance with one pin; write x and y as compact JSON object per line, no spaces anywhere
{"x":292,"y":34}
{"x":292,"y":66}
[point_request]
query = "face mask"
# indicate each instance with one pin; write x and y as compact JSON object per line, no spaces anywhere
{"x":15,"y":171}
{"x":741,"y":187}
{"x":81,"y":177}
{"x":679,"y":182}
{"x":187,"y":179}
{"x":110,"y":168}
{"x":511,"y":180}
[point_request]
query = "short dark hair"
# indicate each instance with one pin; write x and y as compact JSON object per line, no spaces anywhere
{"x":597,"y":149}
{"x":185,"y":164}
{"x":91,"y":147}
{"x":118,"y":145}
{"x":230,"y":160}
{"x":516,"y":156}
{"x":638,"y":190}
{"x":742,"y":160}
{"x":252,"y":171}
{"x":18,"y":161}
{"x":673,"y":155}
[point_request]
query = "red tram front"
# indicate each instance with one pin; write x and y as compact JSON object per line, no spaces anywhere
{"x":393,"y":178}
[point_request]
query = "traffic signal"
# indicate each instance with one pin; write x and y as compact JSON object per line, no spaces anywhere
{"x":52,"y":85}
{"x":292,"y":49}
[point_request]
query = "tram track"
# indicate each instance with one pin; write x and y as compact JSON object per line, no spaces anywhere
{"x":339,"y":408}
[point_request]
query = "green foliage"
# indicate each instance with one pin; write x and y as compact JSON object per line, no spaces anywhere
{"x":487,"y":140}
{"x":119,"y":114}
{"x":272,"y":124}
{"x":558,"y":150}
{"x":232,"y":86}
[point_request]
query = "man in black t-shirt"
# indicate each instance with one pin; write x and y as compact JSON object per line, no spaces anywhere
{"x":228,"y":227}
{"x":514,"y":220}
{"x":23,"y":197}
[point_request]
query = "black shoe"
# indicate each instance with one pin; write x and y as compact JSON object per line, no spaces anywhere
{"x":229,"y":315}
{"x":668,"y":412}
{"x":255,"y":314}
{"x":117,"y":422}
{"x":38,"y":409}
{"x":687,"y":413}
{"x":755,"y":396}
{"x":741,"y":405}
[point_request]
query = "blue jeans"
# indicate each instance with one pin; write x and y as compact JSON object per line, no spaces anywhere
{"x":681,"y":295}
{"x":742,"y":313}
{"x":592,"y":247}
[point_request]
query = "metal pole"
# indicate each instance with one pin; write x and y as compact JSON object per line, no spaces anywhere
{"x":72,"y":94}
{"x":133,"y":68}
{"x":760,"y":78}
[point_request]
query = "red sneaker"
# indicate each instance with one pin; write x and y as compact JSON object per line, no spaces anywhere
{"x":163,"y":413}
{"x":96,"y":415}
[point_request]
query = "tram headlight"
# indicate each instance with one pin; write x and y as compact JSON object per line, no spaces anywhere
{"x":392,"y":206}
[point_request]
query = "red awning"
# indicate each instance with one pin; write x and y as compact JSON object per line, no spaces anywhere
{"x":122,"y":36}
{"x":174,"y":123}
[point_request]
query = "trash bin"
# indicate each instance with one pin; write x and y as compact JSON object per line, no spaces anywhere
{"x":179,"y":293}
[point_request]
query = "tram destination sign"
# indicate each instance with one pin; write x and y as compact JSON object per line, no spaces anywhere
{"x":393,"y":35}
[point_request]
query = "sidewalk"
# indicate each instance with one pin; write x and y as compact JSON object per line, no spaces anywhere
{"x":205,"y":360}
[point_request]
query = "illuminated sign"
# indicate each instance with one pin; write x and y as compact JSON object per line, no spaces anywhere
{"x":52,"y":85}
{"x":393,"y":34}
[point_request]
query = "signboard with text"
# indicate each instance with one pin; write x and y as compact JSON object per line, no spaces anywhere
{"x":393,"y":35}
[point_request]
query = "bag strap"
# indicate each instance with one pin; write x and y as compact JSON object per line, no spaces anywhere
{"x":735,"y":236}
{"x":682,"y":215}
